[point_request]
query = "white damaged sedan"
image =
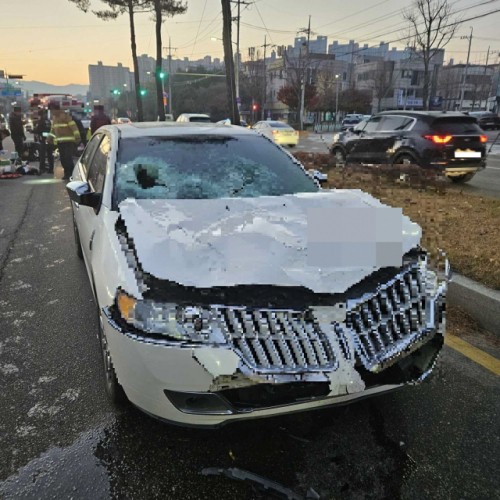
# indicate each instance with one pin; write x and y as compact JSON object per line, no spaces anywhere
{"x":230,"y":286}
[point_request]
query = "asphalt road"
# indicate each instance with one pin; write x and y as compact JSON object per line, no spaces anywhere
{"x":486,"y":182}
{"x":61,"y":439}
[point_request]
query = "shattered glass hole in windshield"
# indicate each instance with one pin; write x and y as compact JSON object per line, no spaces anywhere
{"x":206,"y":168}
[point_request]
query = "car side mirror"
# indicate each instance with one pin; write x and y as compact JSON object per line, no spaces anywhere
{"x":80,"y":193}
{"x":318,"y":176}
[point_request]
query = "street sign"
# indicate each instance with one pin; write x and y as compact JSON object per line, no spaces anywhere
{"x":12,"y":93}
{"x":129,"y":114}
{"x":238,"y":100}
{"x":165,"y":95}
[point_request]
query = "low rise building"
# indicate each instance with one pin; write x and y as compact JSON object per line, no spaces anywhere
{"x":399,"y":83}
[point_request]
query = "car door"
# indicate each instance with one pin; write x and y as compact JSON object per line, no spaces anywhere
{"x":392,"y":128}
{"x":80,"y":174}
{"x":95,"y":179}
{"x":358,"y":145}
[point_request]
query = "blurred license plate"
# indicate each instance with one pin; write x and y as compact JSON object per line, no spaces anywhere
{"x":467,"y":154}
{"x":286,"y":133}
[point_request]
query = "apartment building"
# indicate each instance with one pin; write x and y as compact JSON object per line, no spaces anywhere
{"x":103,"y":79}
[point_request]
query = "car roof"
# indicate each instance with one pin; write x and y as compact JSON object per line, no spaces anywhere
{"x":425,"y":115}
{"x":194,"y":114}
{"x":158,"y":129}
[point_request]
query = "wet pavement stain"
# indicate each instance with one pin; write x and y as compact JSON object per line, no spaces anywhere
{"x":340,"y":453}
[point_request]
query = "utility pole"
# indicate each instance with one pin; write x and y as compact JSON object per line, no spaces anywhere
{"x":304,"y":76}
{"x":169,"y":76}
{"x":229,"y":62}
{"x":264,"y":89}
{"x":238,"y":61}
{"x":466,"y":67}
{"x":169,"y":97}
{"x":336,"y":101}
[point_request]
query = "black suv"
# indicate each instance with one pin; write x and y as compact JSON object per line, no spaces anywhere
{"x":450,"y":142}
{"x":486,"y":120}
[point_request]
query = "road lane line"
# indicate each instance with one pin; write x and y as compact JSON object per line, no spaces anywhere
{"x":480,"y":357}
{"x":494,"y":168}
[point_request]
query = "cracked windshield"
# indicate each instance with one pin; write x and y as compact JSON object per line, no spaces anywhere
{"x":249,"y":249}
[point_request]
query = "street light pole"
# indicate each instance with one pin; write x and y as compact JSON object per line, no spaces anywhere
{"x":466,"y":67}
{"x":169,"y":77}
{"x":336,"y":101}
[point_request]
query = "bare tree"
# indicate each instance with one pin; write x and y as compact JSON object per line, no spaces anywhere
{"x":161,"y":9}
{"x":481,"y":85}
{"x":449,"y":86}
{"x":115,"y":9}
{"x":298,"y":69}
{"x":381,"y":82}
{"x":432,"y":26}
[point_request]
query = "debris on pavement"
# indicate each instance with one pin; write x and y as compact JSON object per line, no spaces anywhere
{"x":261,"y":483}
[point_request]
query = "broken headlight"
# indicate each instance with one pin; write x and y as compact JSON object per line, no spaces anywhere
{"x":169,"y":319}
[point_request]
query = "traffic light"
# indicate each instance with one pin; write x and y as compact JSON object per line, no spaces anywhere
{"x":255,"y":107}
{"x":143,"y":92}
{"x":162,"y":75}
{"x":115,"y":92}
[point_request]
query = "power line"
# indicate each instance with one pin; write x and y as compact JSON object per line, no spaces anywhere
{"x":258,"y":11}
{"x":199,"y":26}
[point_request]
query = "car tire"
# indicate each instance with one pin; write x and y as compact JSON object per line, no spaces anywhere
{"x":404,"y":159}
{"x":114,"y":390}
{"x":460,"y":179}
{"x":78,"y":243}
{"x":339,"y":156}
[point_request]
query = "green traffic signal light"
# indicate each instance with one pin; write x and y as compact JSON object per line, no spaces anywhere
{"x":162,"y":75}
{"x":115,"y":92}
{"x":143,"y":92}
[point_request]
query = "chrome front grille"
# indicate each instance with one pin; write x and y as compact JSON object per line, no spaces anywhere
{"x":276,"y":340}
{"x":392,"y":318}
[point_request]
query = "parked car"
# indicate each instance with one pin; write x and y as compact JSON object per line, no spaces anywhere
{"x":279,"y":132}
{"x":225,"y":285}
{"x":350,"y":121}
{"x":487,"y":120}
{"x":193,"y":117}
{"x":227,"y":121}
{"x":123,"y":120}
{"x":446,"y":141}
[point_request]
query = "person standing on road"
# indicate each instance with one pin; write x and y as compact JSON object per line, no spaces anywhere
{"x":42,"y":130}
{"x":65,"y":135}
{"x":17,"y":130}
{"x":100,"y":119}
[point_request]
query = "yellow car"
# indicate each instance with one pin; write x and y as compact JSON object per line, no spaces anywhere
{"x":280,"y":132}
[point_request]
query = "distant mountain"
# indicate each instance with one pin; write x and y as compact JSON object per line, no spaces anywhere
{"x":46,"y":88}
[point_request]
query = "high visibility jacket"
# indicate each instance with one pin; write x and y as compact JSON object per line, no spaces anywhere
{"x":63,"y":129}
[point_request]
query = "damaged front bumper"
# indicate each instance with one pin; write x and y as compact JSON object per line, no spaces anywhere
{"x":367,"y":346}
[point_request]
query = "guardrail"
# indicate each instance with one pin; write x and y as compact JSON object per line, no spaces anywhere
{"x":326,"y":127}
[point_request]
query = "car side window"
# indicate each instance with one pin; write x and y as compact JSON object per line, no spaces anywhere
{"x":373,"y":124}
{"x":395,"y":123}
{"x":97,"y":170}
{"x":257,"y":126}
{"x":89,"y":151}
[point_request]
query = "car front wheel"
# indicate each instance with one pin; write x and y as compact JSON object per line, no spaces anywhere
{"x":460,"y":179}
{"x":114,"y":390}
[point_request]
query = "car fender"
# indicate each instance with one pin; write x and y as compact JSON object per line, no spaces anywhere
{"x":110,"y":267}
{"x":338,"y":145}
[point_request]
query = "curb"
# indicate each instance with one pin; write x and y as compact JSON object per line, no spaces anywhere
{"x":479,"y":301}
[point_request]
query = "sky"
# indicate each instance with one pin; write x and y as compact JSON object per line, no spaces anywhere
{"x":54,"y":42}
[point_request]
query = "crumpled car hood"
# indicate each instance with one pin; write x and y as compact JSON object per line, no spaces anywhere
{"x":325,"y":241}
